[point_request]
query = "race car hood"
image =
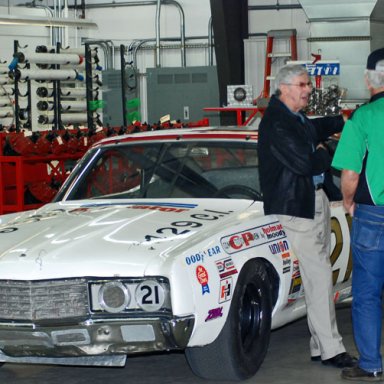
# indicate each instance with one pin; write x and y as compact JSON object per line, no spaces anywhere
{"x":103,"y":239}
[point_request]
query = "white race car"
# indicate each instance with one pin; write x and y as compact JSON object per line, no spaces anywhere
{"x":157,"y":241}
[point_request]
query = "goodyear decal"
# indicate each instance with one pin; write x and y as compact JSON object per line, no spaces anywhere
{"x":252,"y":237}
{"x":199,"y":257}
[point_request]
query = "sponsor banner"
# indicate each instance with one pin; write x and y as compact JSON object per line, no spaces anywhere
{"x":322,"y":68}
{"x":252,"y":237}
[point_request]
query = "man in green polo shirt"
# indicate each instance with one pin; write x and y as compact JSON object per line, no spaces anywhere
{"x":360,"y":156}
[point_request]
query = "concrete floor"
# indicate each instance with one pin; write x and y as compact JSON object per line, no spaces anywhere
{"x":287,"y":362}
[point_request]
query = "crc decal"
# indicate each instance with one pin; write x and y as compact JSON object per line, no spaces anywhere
{"x":183,"y":227}
{"x":202,"y":277}
{"x":214,"y":314}
{"x":252,"y":237}
{"x":226,"y":267}
{"x":199,"y":257}
{"x":225,"y":290}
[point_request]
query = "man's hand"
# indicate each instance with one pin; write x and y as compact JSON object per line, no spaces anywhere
{"x":349,"y":181}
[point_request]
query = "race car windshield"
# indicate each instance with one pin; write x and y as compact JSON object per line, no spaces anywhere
{"x":167,"y":170}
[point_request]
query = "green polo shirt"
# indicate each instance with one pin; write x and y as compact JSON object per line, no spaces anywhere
{"x":364,"y":133}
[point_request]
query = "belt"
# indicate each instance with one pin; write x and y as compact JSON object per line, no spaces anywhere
{"x":319,"y":186}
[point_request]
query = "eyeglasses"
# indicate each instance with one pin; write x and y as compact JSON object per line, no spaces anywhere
{"x":301,"y":84}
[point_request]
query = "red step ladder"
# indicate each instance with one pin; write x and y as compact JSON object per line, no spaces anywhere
{"x":286,"y":34}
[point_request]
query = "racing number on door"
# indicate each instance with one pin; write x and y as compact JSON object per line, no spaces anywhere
{"x":336,"y":252}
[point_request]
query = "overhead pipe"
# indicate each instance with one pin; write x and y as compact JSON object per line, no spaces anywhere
{"x":157,"y":25}
{"x":210,"y":42}
{"x":276,"y":7}
{"x":108,"y":49}
{"x":151,"y":2}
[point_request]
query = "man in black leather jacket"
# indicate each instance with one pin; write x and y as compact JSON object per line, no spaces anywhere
{"x":293,"y":166}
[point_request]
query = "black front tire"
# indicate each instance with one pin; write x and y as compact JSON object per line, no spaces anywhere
{"x":242,"y":344}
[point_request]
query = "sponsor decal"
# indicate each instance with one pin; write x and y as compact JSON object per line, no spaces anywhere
{"x":252,"y":237}
{"x":225,"y":290}
{"x":295,"y":288}
{"x":196,"y":258}
{"x":213,"y":251}
{"x":202,"y":277}
{"x":79,"y":210}
{"x":278,"y":247}
{"x":286,"y":257}
{"x":214,"y":313}
{"x":159,"y":208}
{"x":226,"y":267}
{"x":323,"y":68}
{"x":199,"y":257}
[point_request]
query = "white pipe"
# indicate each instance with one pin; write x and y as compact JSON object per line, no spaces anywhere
{"x":66,"y":105}
{"x":152,"y":2}
{"x":50,"y":58}
{"x":66,"y":118}
{"x":4,"y":91}
{"x":65,"y":92}
{"x":6,"y":80}
{"x":45,"y":74}
{"x":6,"y":112}
{"x":5,"y":101}
{"x":157,"y":24}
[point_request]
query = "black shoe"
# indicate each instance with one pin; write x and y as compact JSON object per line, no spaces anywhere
{"x":358,"y":374}
{"x":342,"y":360}
{"x":316,"y":358}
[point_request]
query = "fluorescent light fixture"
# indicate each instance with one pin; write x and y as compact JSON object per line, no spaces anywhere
{"x":47,"y":22}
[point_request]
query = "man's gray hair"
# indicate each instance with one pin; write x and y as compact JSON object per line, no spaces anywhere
{"x":287,"y":74}
{"x":376,"y":77}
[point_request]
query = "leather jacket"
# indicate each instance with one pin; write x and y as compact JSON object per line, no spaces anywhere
{"x":289,"y":159}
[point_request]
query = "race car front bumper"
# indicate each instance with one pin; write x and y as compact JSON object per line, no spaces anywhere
{"x":96,"y":342}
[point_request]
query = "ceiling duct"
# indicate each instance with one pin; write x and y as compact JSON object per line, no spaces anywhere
{"x":346,"y":30}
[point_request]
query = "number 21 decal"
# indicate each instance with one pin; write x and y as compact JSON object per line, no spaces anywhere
{"x":337,"y":250}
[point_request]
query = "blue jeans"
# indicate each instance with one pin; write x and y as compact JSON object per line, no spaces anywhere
{"x":367,"y":241}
